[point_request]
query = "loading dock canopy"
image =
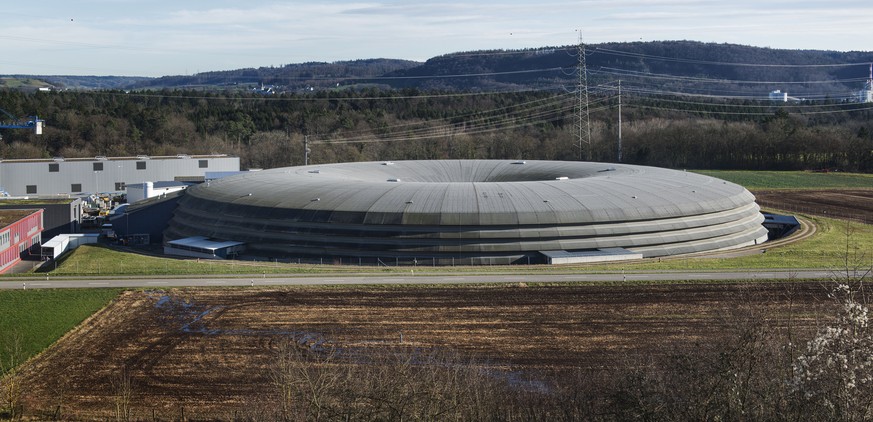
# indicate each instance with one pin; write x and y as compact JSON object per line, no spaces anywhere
{"x":779,"y":226}
{"x":204,"y":247}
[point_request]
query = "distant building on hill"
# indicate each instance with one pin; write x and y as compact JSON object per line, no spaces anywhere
{"x":866,"y":95}
{"x":778,"y":95}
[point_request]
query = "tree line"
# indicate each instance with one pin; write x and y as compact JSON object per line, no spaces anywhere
{"x":376,"y":124}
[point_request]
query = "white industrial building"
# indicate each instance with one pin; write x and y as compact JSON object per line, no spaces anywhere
{"x":78,"y":176}
{"x":141,"y":191}
{"x":778,"y":95}
{"x":866,"y":95}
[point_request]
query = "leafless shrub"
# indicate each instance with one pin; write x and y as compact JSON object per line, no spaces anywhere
{"x":382,"y":384}
{"x":304,"y":380}
{"x":10,"y":379}
{"x":123,"y":390}
{"x":740,"y":375}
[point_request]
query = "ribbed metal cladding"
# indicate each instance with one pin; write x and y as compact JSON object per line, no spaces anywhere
{"x":469,"y":211}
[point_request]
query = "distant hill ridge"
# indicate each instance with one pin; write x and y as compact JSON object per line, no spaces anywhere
{"x":685,"y":66}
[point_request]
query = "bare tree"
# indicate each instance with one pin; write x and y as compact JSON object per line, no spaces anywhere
{"x":856,"y":266}
{"x":305,"y":379}
{"x":10,"y":379}
{"x":123,"y":389}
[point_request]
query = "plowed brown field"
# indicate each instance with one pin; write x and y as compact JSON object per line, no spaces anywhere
{"x":855,"y":204}
{"x":208,"y":351}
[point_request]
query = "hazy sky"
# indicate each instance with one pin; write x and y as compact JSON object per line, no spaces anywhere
{"x":162,"y":37}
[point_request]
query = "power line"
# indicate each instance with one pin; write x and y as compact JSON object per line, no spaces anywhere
{"x":746,"y":113}
{"x":485,"y":124}
{"x":534,"y":104}
{"x":678,"y":78}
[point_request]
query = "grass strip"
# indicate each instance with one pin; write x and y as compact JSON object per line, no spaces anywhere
{"x":827,"y":249}
{"x":760,"y":180}
{"x":36,"y":318}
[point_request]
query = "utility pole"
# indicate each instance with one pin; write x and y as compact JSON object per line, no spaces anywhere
{"x":583,"y":124}
{"x":619,"y":120}
{"x":306,"y":150}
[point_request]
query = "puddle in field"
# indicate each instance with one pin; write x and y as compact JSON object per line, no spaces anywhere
{"x":191,"y":318}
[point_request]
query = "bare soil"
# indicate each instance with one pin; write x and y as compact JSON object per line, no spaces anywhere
{"x":855,"y":204}
{"x":208,"y":351}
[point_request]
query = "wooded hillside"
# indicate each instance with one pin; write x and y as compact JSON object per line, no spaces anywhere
{"x":683,"y":105}
{"x":370,"y":124}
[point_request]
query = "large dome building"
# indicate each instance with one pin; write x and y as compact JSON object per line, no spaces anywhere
{"x":470,"y":212}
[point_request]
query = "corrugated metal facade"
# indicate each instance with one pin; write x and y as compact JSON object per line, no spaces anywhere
{"x":470,"y":210}
{"x":91,"y":175}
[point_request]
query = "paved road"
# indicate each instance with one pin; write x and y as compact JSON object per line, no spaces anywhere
{"x":427,"y":278}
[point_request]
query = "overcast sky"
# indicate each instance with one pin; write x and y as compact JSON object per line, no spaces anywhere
{"x":163,"y":37}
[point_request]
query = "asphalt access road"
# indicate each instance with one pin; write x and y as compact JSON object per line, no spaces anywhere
{"x":410,"y":278}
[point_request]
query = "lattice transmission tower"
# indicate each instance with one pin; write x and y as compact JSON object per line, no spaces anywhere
{"x":583,"y":123}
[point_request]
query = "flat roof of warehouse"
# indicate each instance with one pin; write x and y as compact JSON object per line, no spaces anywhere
{"x":8,"y":217}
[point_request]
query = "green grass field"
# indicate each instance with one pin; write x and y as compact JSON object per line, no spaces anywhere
{"x":90,"y":260}
{"x":38,"y":317}
{"x":825,"y":250}
{"x":761,"y":180}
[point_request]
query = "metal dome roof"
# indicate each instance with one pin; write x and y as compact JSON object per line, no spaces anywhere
{"x":519,"y":206}
{"x":481,"y":192}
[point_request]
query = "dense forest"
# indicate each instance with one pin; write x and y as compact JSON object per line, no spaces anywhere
{"x":373,"y":124}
